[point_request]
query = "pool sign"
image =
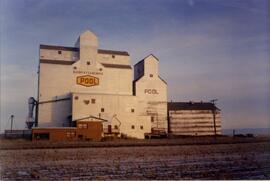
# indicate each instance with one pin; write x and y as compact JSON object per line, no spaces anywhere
{"x":150,"y":91}
{"x":87,"y":80}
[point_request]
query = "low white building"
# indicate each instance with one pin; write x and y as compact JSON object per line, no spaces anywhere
{"x":82,"y":81}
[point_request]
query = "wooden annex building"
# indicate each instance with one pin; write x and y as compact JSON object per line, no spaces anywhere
{"x":193,"y":119}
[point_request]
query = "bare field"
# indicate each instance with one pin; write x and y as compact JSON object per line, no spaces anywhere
{"x":9,"y":144}
{"x":215,"y":161}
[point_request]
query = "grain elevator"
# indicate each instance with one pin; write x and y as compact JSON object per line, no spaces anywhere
{"x":83,"y":82}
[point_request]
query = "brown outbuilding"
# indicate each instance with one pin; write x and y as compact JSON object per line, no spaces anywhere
{"x":84,"y":130}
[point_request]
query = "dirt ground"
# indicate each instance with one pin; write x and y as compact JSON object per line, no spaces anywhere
{"x":214,"y":161}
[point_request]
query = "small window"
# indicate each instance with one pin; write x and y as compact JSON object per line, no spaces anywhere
{"x":59,"y":52}
{"x":70,"y":134}
{"x":152,"y":119}
{"x":76,"y":97}
{"x":132,"y":127}
{"x":88,"y":63}
{"x":86,"y":102}
{"x":115,"y":127}
{"x":74,"y":68}
{"x":151,"y":75}
{"x":102,"y":110}
{"x":82,"y":125}
{"x":93,"y":101}
{"x":100,"y":69}
{"x":141,"y":127}
{"x":113,"y":56}
{"x":132,"y":110}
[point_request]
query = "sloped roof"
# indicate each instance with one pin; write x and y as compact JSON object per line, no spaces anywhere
{"x":191,"y":106}
{"x":142,"y":61}
{"x":54,"y":47}
{"x":146,"y":58}
{"x":52,"y":61}
{"x":113,"y":52}
{"x":75,"y":49}
{"x":80,"y":119}
{"x":119,"y":66}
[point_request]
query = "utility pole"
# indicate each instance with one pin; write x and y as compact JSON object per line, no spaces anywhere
{"x":11,"y":117}
{"x":214,"y":115}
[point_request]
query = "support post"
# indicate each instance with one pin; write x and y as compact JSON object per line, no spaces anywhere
{"x":11,"y":126}
{"x":214,"y":115}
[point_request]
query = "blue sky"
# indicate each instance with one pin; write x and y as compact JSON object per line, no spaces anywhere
{"x":207,"y":48}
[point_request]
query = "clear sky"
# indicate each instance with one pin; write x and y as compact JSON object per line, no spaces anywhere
{"x":207,"y":48}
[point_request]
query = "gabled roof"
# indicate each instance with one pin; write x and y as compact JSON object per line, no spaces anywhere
{"x":138,"y":78}
{"x":191,"y":106}
{"x":88,"y":33}
{"x":75,"y":49}
{"x":80,"y":119}
{"x":146,"y":58}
